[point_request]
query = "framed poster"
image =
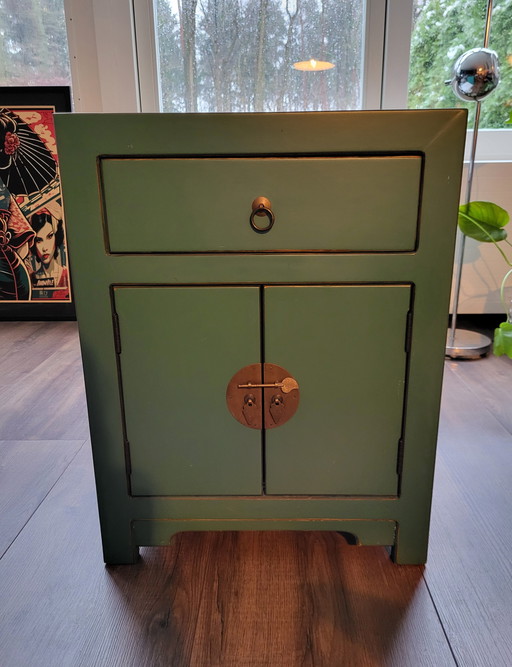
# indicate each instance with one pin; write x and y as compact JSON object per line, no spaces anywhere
{"x":34,"y":262}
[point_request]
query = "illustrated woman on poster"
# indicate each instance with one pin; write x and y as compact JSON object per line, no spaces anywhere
{"x":50,"y":280}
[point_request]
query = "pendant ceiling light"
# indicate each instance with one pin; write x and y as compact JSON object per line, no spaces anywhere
{"x":313,"y":65}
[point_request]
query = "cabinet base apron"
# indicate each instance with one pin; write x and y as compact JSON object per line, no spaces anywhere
{"x":406,"y":536}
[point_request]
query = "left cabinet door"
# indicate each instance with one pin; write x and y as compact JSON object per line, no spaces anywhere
{"x":179,"y":346}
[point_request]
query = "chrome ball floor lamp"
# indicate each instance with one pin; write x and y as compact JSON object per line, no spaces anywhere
{"x":475,"y":75}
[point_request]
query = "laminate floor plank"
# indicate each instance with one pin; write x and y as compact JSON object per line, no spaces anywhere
{"x":490,"y":380}
{"x":28,"y":471}
{"x":14,"y":335}
{"x":469,"y":571}
{"x":53,"y":586}
{"x":310,"y":599}
{"x":24,"y":345}
{"x":41,"y":384}
{"x":227,"y":599}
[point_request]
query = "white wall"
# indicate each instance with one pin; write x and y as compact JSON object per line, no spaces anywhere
{"x":102,"y":52}
{"x":484,"y":268}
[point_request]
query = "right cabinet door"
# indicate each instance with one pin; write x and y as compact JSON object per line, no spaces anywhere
{"x":346,"y":347}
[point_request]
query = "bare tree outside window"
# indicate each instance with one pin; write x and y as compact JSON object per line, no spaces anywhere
{"x":33,"y":43}
{"x":239,"y":55}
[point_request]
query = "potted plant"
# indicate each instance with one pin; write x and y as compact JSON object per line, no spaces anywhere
{"x":485,"y":221}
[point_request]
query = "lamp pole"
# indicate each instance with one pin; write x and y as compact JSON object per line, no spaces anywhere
{"x":476,"y":75}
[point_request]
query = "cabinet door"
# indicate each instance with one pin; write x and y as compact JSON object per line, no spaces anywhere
{"x":345,"y":345}
{"x":179,"y":347}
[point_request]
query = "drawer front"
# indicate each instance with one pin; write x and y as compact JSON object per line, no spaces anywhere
{"x":180,"y":205}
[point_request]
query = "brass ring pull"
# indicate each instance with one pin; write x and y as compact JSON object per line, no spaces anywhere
{"x":261,"y":206}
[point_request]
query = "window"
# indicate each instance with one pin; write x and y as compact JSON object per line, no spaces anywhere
{"x":33,"y":43}
{"x":260,"y":55}
{"x":139,"y":67}
{"x":442,"y":31}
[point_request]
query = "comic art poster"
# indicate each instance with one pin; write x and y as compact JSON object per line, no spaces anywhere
{"x":33,"y":252}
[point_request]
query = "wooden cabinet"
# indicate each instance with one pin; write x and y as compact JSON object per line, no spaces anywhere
{"x":347,"y":292}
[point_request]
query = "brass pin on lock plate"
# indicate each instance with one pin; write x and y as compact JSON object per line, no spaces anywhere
{"x":287,"y":385}
{"x":252,"y":396}
{"x":238,"y":400}
{"x":251,"y":411}
{"x":277,"y":408}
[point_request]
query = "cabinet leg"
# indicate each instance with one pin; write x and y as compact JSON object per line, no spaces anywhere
{"x":410,"y":547}
{"x":119,"y":552}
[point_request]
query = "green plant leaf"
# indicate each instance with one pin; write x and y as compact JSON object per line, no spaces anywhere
{"x":503,"y":340}
{"x":509,"y":121}
{"x":483,"y":221}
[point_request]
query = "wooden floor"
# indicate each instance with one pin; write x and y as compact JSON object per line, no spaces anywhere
{"x":248,"y":599}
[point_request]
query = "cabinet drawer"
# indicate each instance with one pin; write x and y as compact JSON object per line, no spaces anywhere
{"x":203,"y":204}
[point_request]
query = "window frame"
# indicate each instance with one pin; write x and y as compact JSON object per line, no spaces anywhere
{"x":114,"y":63}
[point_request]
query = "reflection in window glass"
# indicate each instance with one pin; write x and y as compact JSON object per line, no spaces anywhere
{"x":33,"y":43}
{"x":442,"y":31}
{"x":239,"y":55}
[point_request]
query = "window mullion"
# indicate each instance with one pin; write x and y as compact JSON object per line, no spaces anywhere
{"x":146,"y":40}
{"x":374,"y":44}
{"x":83,"y":59}
{"x":102,"y":53}
{"x":395,"y":74}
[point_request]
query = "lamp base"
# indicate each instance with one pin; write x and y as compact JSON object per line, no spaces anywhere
{"x":467,"y":345}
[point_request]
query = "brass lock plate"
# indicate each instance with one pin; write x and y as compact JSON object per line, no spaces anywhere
{"x":262,"y":396}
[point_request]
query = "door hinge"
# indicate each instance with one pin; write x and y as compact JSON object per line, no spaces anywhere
{"x":408,"y":332}
{"x":117,"y":333}
{"x":127,"y":459}
{"x":400,"y":457}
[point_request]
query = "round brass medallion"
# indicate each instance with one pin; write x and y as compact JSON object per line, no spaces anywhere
{"x":262,"y":396}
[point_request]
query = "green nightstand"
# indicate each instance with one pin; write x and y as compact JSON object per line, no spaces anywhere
{"x":262,"y":302}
